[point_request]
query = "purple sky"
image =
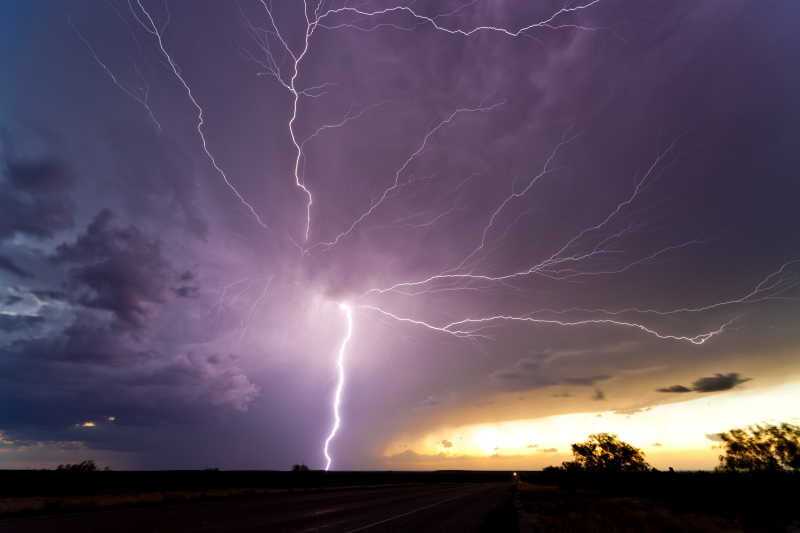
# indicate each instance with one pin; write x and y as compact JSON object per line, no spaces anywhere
{"x":632,"y":158}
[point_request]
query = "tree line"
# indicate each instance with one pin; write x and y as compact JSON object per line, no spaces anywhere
{"x":756,"y":448}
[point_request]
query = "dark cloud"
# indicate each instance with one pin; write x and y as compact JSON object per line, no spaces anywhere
{"x":117,"y":269}
{"x":587,"y":380}
{"x":49,"y":294}
{"x":35,"y":200}
{"x":598,"y":395}
{"x":717,"y":382}
{"x":10,"y":323}
{"x":531,"y":373}
{"x":12,"y":299}
{"x":117,"y":281}
{"x":39,"y":177}
{"x":674,"y":388}
{"x":446,"y":444}
{"x":90,"y":371}
{"x":549,"y":450}
{"x":186,"y":291}
{"x":9,"y":265}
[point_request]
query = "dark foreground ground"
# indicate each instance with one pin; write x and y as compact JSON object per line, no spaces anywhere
{"x":559,"y":501}
{"x":439,"y":507}
{"x":543,"y":502}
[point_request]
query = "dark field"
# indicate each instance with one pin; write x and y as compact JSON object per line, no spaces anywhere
{"x":395,"y":501}
{"x":660,"y":501}
{"x":60,"y":483}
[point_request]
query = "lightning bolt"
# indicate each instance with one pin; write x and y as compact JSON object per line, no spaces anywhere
{"x":557,"y":257}
{"x":152,"y":28}
{"x":290,"y":85}
{"x":142,"y":97}
{"x":316,"y":19}
{"x":399,"y":172}
{"x":256,"y":303}
{"x":451,"y":328}
{"x":337,"y":397}
{"x":547,"y":23}
{"x":513,"y":196}
{"x":583,"y":255}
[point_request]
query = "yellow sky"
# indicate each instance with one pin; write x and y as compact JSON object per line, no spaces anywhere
{"x":671,"y":434}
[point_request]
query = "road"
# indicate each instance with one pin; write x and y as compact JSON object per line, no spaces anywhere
{"x":451,"y":507}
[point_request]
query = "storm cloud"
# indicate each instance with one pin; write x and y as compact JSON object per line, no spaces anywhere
{"x":116,"y":269}
{"x":10,"y":266}
{"x":675,"y":388}
{"x":35,"y":198}
{"x":718,"y":382}
{"x":636,"y":182}
{"x":529,"y":373}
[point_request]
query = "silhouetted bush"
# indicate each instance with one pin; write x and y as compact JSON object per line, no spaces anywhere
{"x":604,"y":452}
{"x":761,"y":448}
{"x":299,"y":468}
{"x":83,"y":466}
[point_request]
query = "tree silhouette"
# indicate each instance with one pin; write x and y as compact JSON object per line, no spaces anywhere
{"x":604,"y":452}
{"x":761,"y":448}
{"x":83,"y":466}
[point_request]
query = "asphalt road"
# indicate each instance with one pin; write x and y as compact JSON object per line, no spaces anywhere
{"x":452,"y":507}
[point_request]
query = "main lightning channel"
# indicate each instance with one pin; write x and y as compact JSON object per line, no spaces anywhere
{"x":337,"y":420}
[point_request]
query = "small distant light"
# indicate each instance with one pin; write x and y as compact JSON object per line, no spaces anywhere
{"x":112,"y":418}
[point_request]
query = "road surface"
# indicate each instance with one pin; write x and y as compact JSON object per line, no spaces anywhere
{"x":451,"y":507}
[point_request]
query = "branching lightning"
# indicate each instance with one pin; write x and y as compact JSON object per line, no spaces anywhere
{"x":140,"y":96}
{"x":547,"y":23}
{"x":452,"y":327}
{"x":316,"y":18}
{"x":513,"y":196}
{"x":575,"y":257}
{"x":556,"y":258}
{"x":156,"y":31}
{"x":399,"y":172}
